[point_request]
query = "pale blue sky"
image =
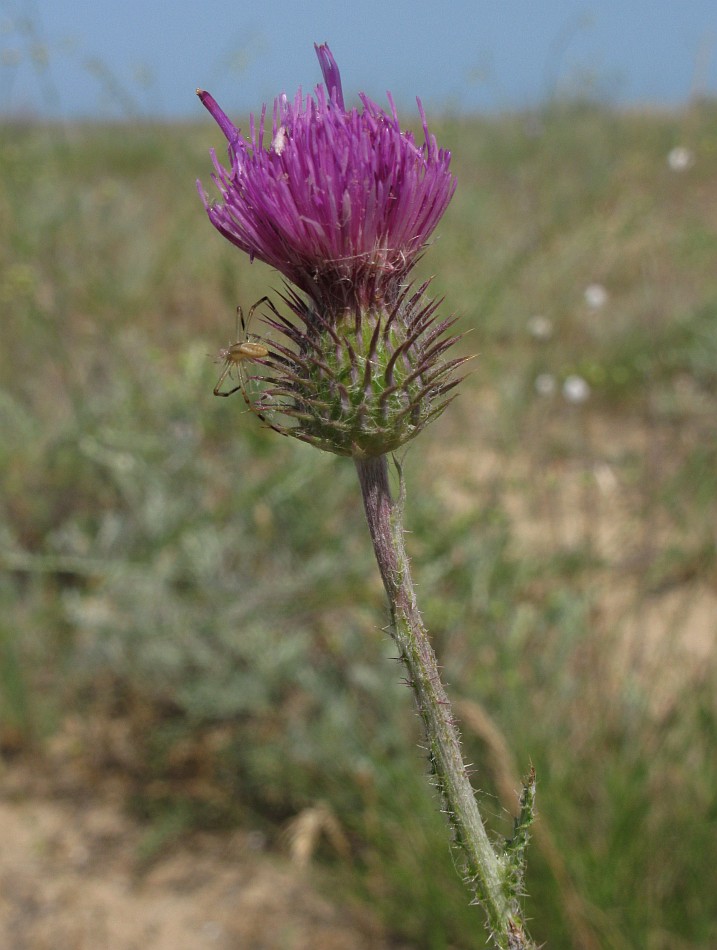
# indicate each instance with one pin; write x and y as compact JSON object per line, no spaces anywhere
{"x":113,"y":58}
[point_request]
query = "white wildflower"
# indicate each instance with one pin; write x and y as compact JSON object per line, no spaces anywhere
{"x":595,"y":296}
{"x":680,"y":158}
{"x":576,"y":390}
{"x":540,"y":328}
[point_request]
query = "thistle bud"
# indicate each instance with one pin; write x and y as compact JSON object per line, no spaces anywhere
{"x":342,"y":203}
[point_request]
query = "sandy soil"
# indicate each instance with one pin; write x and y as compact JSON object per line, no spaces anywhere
{"x":70,"y":879}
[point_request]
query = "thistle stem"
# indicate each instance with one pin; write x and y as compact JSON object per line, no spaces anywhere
{"x":486,"y":870}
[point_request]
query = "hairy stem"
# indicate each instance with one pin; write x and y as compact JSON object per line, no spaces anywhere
{"x":486,"y":870}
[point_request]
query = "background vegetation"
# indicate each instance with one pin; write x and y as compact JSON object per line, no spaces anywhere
{"x":189,"y":602}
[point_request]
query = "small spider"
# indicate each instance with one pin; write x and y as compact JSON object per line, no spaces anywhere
{"x":240,"y":352}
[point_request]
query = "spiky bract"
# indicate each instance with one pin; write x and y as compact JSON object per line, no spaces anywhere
{"x":361,"y":387}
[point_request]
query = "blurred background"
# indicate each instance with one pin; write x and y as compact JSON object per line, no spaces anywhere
{"x":91,"y":59}
{"x":203,"y":738}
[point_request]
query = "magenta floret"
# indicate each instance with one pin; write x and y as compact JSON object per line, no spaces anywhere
{"x":337,"y":198}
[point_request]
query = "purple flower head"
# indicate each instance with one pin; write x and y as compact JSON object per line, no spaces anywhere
{"x":340,"y":201}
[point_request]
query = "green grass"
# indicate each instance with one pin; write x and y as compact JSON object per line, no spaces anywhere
{"x":170,"y":568}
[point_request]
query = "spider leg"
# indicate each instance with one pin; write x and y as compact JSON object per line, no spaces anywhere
{"x":230,"y":392}
{"x":250,"y":405}
{"x":253,"y":308}
{"x":262,"y":300}
{"x":269,"y":302}
{"x":225,"y":372}
{"x":230,"y":365}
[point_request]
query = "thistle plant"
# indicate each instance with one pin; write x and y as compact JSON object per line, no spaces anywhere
{"x":356,"y":361}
